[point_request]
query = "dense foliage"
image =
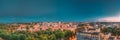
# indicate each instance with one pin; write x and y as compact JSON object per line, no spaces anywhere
{"x":114,"y":31}
{"x":6,"y":33}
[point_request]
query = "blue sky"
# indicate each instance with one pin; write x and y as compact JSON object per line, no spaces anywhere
{"x":56,"y":10}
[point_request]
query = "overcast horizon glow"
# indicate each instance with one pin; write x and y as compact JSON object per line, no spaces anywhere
{"x":115,"y":18}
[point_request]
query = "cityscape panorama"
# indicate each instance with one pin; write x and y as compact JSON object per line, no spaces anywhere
{"x":59,"y":19}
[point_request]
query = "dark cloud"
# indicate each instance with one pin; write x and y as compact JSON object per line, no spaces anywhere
{"x":58,"y":10}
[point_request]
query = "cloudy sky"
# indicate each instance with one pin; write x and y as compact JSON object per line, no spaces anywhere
{"x":59,"y":10}
{"x":115,"y":18}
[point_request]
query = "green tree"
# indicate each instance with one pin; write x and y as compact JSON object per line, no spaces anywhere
{"x":59,"y":34}
{"x":29,"y":38}
{"x":68,"y":33}
{"x":52,"y":37}
{"x":43,"y":37}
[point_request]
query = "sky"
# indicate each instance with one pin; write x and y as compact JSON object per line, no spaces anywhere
{"x":58,"y":10}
